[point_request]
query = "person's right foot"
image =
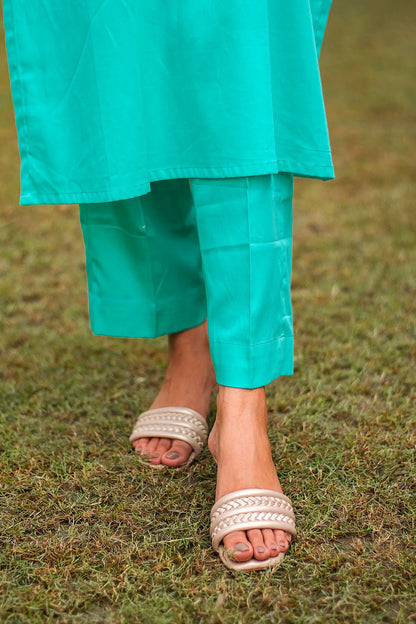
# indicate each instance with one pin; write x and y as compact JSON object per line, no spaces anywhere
{"x":189,"y":382}
{"x":240,"y":445}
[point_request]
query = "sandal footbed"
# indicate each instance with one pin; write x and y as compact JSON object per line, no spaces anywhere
{"x":251,"y":564}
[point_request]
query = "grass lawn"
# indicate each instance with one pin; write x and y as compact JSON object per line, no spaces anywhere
{"x":88,"y":534}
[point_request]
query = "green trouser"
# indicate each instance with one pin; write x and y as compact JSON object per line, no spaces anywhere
{"x":193,"y":249}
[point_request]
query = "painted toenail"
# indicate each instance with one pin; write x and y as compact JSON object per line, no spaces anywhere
{"x":282,"y":544}
{"x":173,"y":455}
{"x":240,"y":547}
{"x":260,"y":549}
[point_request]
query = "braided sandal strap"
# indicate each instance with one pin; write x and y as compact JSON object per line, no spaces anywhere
{"x":252,"y":508}
{"x":176,"y":423}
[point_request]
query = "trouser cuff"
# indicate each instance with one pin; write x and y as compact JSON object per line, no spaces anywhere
{"x":136,"y":318}
{"x":252,"y":366}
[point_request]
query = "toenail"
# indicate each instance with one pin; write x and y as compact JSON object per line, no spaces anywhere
{"x":273,"y":547}
{"x":240,"y":547}
{"x":260,"y":549}
{"x":282,"y":544}
{"x":173,"y":455}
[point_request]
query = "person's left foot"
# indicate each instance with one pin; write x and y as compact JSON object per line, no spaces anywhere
{"x":189,"y":382}
{"x":240,"y":445}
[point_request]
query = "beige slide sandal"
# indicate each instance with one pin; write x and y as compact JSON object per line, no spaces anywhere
{"x":252,"y":508}
{"x":176,"y":423}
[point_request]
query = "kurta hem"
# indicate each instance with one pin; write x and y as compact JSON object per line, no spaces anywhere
{"x":120,"y":193}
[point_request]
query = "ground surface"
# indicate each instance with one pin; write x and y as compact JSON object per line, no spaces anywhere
{"x":88,"y":535}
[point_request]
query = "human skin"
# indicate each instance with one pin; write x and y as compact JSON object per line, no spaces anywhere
{"x":243,"y":461}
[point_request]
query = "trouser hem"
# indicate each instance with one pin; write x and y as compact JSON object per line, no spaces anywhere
{"x":135,"y":318}
{"x":252,"y":366}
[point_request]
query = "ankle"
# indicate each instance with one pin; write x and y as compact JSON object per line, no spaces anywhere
{"x":189,"y":353}
{"x":184,"y":369}
{"x":242,"y":414}
{"x":242,"y":403}
{"x":189,"y":341}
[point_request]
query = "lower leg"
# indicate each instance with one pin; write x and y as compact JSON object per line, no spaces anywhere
{"x":189,"y":382}
{"x":242,"y":416}
{"x":245,"y":232}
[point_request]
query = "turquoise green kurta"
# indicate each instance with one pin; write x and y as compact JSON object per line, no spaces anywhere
{"x":110,"y":95}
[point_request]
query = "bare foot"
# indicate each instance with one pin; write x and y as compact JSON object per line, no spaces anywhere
{"x":189,"y":382}
{"x":240,"y":445}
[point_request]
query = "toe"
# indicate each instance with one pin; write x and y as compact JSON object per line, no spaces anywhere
{"x":152,"y":446}
{"x":161,"y":446}
{"x":270,"y":542}
{"x":177,"y":454}
{"x":237,"y":546}
{"x":153,"y":442}
{"x":140,"y":445}
{"x":281,"y":540}
{"x":260,"y":549}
